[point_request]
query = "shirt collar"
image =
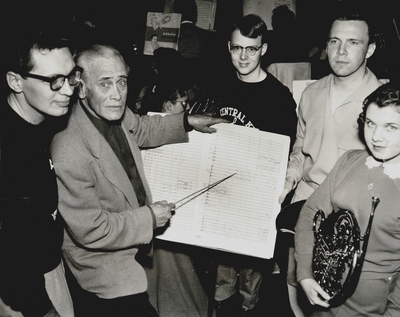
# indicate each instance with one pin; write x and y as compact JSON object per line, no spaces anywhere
{"x":391,"y":170}
{"x":105,"y":127}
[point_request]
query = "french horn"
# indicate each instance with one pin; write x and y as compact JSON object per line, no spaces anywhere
{"x":337,"y":256}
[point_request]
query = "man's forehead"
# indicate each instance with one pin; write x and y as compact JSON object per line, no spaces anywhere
{"x":349,"y":27}
{"x":52,"y":62}
{"x":101,"y":67}
{"x":238,"y":38}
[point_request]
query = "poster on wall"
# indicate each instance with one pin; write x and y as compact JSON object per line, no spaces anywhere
{"x":264,"y":8}
{"x":162,"y":30}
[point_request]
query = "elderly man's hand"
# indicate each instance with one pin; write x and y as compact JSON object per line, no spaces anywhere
{"x":162,"y":211}
{"x":202,"y":123}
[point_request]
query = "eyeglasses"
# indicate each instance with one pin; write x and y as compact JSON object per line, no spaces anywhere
{"x":250,"y":50}
{"x":184,"y":103}
{"x":56,"y":82}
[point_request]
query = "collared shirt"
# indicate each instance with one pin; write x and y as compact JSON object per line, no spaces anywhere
{"x":115,"y":136}
{"x":322,"y":136}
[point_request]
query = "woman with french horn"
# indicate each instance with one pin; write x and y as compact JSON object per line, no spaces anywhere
{"x":366,"y":266}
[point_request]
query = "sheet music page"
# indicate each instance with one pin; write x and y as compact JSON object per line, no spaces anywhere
{"x":237,"y":215}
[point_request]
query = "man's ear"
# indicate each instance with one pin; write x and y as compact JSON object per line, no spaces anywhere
{"x":169,"y":105}
{"x":370,"y":50}
{"x":264,"y":49}
{"x":229,"y":46}
{"x":14,"y":80}
{"x":81,"y":89}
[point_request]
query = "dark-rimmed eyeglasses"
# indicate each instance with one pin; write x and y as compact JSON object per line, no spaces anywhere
{"x":56,"y":82}
{"x":250,"y":50}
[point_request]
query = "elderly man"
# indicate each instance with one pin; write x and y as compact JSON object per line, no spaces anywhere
{"x":41,"y":75}
{"x":104,"y":195}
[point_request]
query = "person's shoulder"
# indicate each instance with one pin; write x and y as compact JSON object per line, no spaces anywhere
{"x":315,"y":87}
{"x":372,"y":80}
{"x":129,"y":115}
{"x":275,"y":85}
{"x":271,"y":79}
{"x":67,"y":137}
{"x":321,"y":83}
{"x":354,"y":156}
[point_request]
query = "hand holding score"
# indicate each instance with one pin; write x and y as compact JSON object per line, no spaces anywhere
{"x":202,"y":123}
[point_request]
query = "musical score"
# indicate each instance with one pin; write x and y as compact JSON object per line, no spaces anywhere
{"x":239,"y":214}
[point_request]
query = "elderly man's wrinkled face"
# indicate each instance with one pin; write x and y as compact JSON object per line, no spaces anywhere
{"x":106,"y":87}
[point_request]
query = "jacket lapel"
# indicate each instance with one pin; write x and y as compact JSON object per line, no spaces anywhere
{"x":108,"y":161}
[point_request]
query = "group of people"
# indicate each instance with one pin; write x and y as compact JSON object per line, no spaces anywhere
{"x":77,"y":215}
{"x":82,"y":190}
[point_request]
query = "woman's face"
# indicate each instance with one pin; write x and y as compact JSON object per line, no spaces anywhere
{"x":382,"y":132}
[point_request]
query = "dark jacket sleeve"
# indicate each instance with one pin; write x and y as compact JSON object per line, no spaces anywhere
{"x":25,"y":293}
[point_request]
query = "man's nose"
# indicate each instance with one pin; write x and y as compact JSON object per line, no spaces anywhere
{"x":115,"y":93}
{"x":243,"y":53}
{"x":342,"y":50}
{"x":66,"y":89}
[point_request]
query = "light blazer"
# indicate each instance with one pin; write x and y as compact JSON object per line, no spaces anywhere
{"x":104,"y":223}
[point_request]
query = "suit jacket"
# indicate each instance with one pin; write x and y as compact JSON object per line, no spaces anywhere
{"x":104,"y":223}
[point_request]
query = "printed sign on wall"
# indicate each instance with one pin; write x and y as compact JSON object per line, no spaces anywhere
{"x":162,"y":30}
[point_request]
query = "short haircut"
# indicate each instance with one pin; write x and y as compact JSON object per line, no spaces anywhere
{"x":95,"y":51}
{"x":252,"y":26}
{"x":355,"y":15}
{"x":18,"y":58}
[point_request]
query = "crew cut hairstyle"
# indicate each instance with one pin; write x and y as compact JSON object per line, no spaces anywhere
{"x":89,"y":54}
{"x":252,"y":26}
{"x":356,"y":15}
{"x":18,"y":56}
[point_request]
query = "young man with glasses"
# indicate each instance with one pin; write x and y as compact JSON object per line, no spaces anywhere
{"x":41,"y":75}
{"x":253,"y":98}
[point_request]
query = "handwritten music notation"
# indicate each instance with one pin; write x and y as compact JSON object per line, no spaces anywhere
{"x":239,"y":214}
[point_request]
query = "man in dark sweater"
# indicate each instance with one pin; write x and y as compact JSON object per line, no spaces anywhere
{"x":253,"y":98}
{"x":41,"y":75}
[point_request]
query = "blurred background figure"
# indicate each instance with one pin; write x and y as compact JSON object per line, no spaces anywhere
{"x":286,"y":44}
{"x":165,"y":98}
{"x":166,"y":67}
{"x":197,"y":46}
